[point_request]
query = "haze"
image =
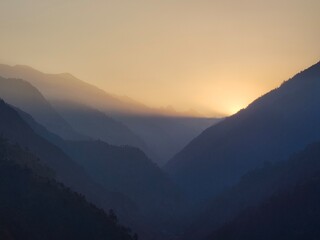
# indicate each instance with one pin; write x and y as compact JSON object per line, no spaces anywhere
{"x":211,"y":56}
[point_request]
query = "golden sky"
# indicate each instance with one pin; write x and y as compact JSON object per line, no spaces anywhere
{"x":208,"y":55}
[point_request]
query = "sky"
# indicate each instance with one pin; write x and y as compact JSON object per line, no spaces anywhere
{"x":212,"y":56}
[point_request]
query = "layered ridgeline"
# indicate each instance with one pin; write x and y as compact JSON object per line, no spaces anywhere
{"x":33,"y":206}
{"x":274,"y":126}
{"x":70,"y":121}
{"x":67,"y":87}
{"x":21,"y":94}
{"x":94,"y":123}
{"x":167,"y":135}
{"x":255,"y":188}
{"x":292,"y":212}
{"x":67,"y":171}
{"x":129,"y":171}
{"x":122,"y":178}
{"x":162,"y":133}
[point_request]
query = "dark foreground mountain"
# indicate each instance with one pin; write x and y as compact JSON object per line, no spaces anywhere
{"x":254,"y":188}
{"x":33,"y":206}
{"x":129,"y":171}
{"x":26,"y":97}
{"x":280,"y":123}
{"x":16,"y":130}
{"x":292,"y":213}
{"x":126,"y":170}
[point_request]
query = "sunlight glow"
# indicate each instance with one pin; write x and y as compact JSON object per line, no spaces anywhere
{"x":181,"y":53}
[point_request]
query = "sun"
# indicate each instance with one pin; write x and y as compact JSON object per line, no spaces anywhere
{"x":233,"y":109}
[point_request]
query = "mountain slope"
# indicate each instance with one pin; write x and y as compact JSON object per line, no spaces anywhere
{"x":273,"y":127}
{"x":24,"y":96}
{"x":129,"y":171}
{"x":162,"y":132}
{"x":123,"y":169}
{"x":167,"y":135}
{"x":65,"y":86}
{"x":15,"y":129}
{"x":289,"y":214}
{"x":97,"y":125}
{"x":254,"y":188}
{"x":126,"y":170}
{"x":34,"y":206}
{"x":68,"y":88}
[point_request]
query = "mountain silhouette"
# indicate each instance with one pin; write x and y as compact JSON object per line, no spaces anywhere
{"x":68,"y":88}
{"x":16,"y":130}
{"x":291,"y":212}
{"x":129,"y":171}
{"x":125,"y":170}
{"x":97,"y":125}
{"x":253,"y":189}
{"x":69,"y":120}
{"x":167,"y":135}
{"x":33,"y":206}
{"x":26,"y":97}
{"x":282,"y":122}
{"x":158,"y":132}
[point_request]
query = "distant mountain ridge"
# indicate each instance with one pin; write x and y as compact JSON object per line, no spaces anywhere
{"x":96,"y":124}
{"x":23,"y":95}
{"x":64,"y":86}
{"x":158,"y":132}
{"x":167,"y":135}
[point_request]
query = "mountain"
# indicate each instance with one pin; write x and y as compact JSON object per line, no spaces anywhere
{"x":273,"y":127}
{"x":167,"y":135}
{"x":126,"y":170}
{"x":24,"y":96}
{"x":69,"y":120}
{"x":254,"y":188}
{"x":162,"y":136}
{"x":33,"y":206}
{"x":98,"y":125}
{"x":16,"y":130}
{"x":159,"y":132}
{"x":129,"y":171}
{"x":290,"y":213}
{"x":66,"y":87}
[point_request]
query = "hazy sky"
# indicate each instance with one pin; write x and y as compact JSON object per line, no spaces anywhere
{"x":212,"y":56}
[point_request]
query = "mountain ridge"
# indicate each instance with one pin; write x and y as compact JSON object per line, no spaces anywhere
{"x":22,"y":94}
{"x":272,"y":127}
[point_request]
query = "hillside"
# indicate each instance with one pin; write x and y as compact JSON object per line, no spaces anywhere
{"x":16,"y":130}
{"x":273,"y":127}
{"x":254,"y":188}
{"x":97,"y":125}
{"x":159,"y":132}
{"x":126,"y":170}
{"x":33,"y":206}
{"x":167,"y":135}
{"x":66,"y":87}
{"x":26,"y":97}
{"x":292,"y":214}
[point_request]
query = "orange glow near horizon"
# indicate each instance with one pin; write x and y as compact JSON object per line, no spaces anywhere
{"x":213,"y":57}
